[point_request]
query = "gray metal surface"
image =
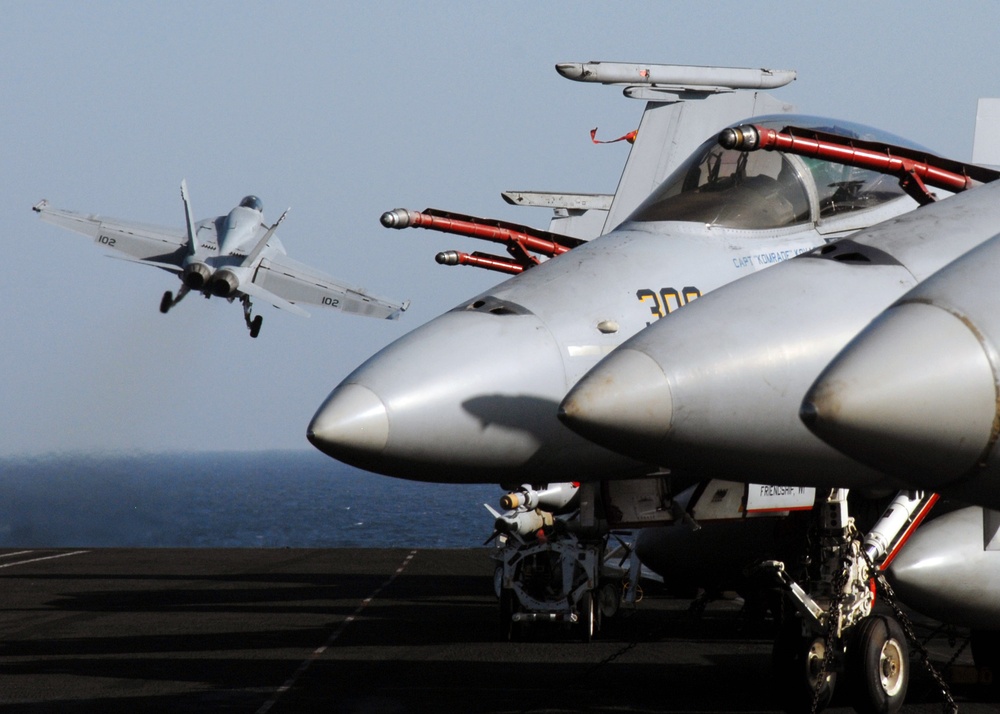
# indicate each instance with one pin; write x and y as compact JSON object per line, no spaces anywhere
{"x":733,"y":366}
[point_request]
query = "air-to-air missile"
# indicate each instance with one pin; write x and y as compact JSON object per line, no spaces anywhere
{"x":552,"y":497}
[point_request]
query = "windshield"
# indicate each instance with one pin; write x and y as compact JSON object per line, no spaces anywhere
{"x":252,"y":202}
{"x":770,"y":189}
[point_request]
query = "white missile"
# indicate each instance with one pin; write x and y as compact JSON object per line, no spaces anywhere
{"x":552,"y":497}
{"x":672,"y":75}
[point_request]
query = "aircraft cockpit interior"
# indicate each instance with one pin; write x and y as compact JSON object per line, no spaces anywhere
{"x":758,"y":190}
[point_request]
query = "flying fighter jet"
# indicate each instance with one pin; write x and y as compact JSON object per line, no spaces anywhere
{"x":236,"y":256}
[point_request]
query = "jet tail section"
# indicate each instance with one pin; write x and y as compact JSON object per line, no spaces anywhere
{"x":684,"y":105}
{"x":192,"y":241}
{"x":255,"y":253}
{"x":986,"y":145}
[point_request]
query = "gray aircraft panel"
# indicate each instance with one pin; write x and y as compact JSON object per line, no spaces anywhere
{"x":299,"y":283}
{"x":728,"y":372}
{"x":915,"y":393}
{"x":472,"y":396}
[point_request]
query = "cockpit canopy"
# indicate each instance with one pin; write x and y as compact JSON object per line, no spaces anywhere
{"x":771,"y":189}
{"x":252,"y":202}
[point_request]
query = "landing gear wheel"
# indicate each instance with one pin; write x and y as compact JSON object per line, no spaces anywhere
{"x":985,"y":646}
{"x":255,"y":325}
{"x":166,"y":302}
{"x":588,"y":616}
{"x":609,"y":599}
{"x":798,"y":661}
{"x":878,"y":665}
{"x":507,"y":624}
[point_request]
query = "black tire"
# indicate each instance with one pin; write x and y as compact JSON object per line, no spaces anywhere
{"x":878,"y":665}
{"x":255,"y":325}
{"x":985,"y":646}
{"x":507,"y":609}
{"x":166,"y":302}
{"x":796,"y":661}
{"x":588,"y":616}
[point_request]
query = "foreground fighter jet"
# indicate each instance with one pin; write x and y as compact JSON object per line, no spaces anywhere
{"x":718,"y":388}
{"x":503,"y":360}
{"x":915,"y":395}
{"x":232,"y":256}
{"x":472,"y":396}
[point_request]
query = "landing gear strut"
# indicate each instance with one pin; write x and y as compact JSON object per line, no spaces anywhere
{"x":168,"y":300}
{"x":253,"y":324}
{"x":835,"y":630}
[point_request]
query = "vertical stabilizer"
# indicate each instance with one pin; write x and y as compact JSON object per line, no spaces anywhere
{"x":192,"y":244}
{"x":986,"y":145}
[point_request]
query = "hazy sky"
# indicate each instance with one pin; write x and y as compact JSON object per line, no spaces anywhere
{"x":342,"y":111}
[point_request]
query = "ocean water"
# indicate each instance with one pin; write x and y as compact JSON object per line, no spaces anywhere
{"x":242,"y":500}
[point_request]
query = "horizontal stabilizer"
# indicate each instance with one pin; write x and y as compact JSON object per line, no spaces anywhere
{"x":555,"y":199}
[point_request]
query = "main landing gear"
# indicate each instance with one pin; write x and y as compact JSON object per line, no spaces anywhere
{"x":253,"y":323}
{"x":168,"y":300}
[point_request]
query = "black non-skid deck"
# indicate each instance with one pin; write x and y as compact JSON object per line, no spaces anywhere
{"x":361,"y":630}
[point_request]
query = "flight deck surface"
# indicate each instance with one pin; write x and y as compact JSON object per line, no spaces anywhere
{"x":361,"y":630}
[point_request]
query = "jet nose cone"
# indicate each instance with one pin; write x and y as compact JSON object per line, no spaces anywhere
{"x":913,"y":394}
{"x":353,"y":421}
{"x":622,"y":403}
{"x":470,"y":397}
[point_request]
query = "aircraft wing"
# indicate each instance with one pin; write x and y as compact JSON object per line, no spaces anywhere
{"x":150,"y":244}
{"x":296,"y":282}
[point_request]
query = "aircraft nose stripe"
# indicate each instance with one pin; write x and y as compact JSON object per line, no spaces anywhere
{"x":624,"y":398}
{"x":353,"y":420}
